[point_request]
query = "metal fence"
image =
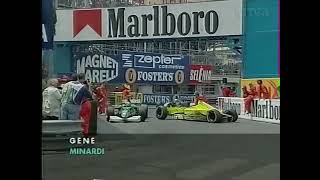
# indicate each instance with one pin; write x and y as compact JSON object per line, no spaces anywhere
{"x":219,"y":53}
{"x":79,"y":4}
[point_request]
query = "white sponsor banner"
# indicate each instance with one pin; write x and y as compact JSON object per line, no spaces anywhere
{"x":232,"y":103}
{"x":266,"y":110}
{"x":220,"y":18}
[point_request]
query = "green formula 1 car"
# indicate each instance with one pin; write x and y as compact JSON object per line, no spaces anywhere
{"x":127,"y":112}
{"x":202,"y":111}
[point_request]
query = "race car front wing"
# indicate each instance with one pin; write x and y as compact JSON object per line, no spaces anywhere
{"x":117,"y":118}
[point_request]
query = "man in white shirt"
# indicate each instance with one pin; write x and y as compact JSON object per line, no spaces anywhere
{"x":51,"y":100}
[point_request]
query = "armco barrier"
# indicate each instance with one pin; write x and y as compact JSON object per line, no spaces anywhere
{"x":56,"y":127}
{"x":56,"y":134}
{"x":266,"y":110}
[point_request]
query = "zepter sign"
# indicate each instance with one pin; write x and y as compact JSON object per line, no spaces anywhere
{"x":219,"y":18}
{"x":154,"y":68}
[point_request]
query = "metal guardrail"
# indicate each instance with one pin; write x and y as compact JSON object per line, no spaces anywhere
{"x":51,"y":127}
{"x":56,"y":134}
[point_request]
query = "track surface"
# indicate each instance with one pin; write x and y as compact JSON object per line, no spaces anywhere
{"x":245,"y":150}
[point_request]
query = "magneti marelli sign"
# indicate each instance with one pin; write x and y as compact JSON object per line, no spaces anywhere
{"x":97,"y":67}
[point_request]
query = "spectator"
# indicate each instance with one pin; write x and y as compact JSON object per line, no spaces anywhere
{"x":233,"y":92}
{"x":87,"y":84}
{"x":245,"y":91}
{"x":51,"y":101}
{"x":227,"y":92}
{"x":102,"y":98}
{"x":73,"y":94}
{"x":262,"y":90}
{"x":252,"y":89}
{"x":83,"y":98}
{"x":251,"y":94}
{"x":199,"y":97}
{"x":126,"y":95}
{"x":69,"y":108}
{"x":83,"y":93}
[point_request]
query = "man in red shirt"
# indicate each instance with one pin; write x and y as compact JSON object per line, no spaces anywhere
{"x":102,"y":98}
{"x":262,"y":90}
{"x":245,"y":91}
{"x":126,"y":93}
{"x":250,"y":95}
{"x":199,"y":98}
{"x":227,"y":92}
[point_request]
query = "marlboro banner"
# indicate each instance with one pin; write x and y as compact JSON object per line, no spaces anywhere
{"x":223,"y":18}
{"x":266,"y":110}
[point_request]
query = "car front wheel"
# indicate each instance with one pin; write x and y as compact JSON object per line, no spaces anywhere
{"x":162,"y":112}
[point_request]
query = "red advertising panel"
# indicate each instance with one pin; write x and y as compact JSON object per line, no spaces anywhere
{"x":200,"y":74}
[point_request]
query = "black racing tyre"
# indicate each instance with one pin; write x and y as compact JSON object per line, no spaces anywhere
{"x":143,"y":112}
{"x":147,"y":110}
{"x":233,"y":113}
{"x":161,"y":112}
{"x":214,"y":116}
{"x":110,"y":112}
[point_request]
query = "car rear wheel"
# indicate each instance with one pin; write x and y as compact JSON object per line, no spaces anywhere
{"x":161,"y":112}
{"x":110,"y":112}
{"x":232,"y":113}
{"x":214,"y":116}
{"x":143,"y":112}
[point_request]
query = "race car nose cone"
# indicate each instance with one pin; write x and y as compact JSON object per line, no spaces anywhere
{"x":124,"y":115}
